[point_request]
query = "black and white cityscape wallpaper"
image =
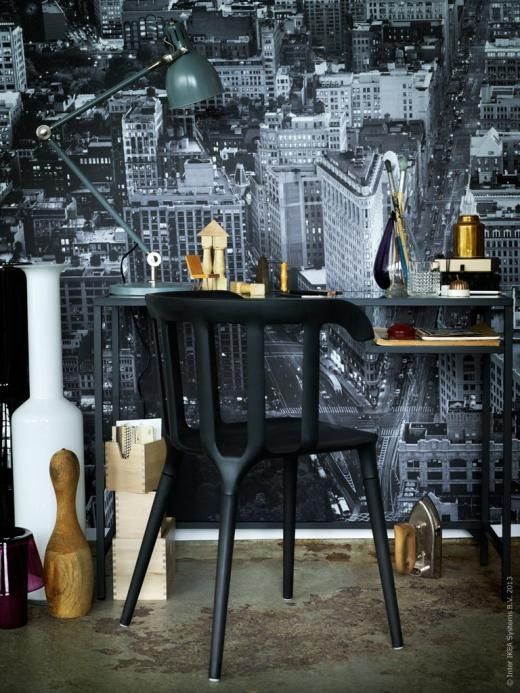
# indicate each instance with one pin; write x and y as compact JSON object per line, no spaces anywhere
{"x":289,"y":159}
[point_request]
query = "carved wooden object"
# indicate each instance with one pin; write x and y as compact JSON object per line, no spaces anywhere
{"x":67,"y":570}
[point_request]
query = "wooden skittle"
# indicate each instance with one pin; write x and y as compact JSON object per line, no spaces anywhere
{"x":67,"y":569}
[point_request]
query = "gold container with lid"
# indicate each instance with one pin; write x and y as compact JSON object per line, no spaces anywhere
{"x":468,"y":236}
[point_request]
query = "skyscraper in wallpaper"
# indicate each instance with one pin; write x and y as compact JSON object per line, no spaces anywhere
{"x":505,"y":11}
{"x":503,"y":61}
{"x":287,"y":222}
{"x":10,"y":113}
{"x":326,"y":20}
{"x":289,"y":160}
{"x":396,"y":10}
{"x":13,"y":75}
{"x":295,"y":213}
{"x":271,"y":44}
{"x":108,"y":17}
{"x":352,"y":216}
{"x":142,"y":126}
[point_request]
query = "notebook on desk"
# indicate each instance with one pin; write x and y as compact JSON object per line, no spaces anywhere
{"x":475,"y":333}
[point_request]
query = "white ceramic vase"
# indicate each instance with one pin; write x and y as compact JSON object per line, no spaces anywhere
{"x":46,"y":422}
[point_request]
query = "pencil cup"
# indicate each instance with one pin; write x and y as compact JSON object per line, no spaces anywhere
{"x":422,"y":280}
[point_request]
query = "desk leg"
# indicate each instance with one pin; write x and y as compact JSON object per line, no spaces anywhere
{"x":116,"y":369}
{"x":507,"y":449}
{"x":484,"y":486}
{"x":164,"y":403}
{"x":99,"y":454}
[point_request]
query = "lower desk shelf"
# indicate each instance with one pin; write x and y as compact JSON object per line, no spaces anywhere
{"x":477,"y":345}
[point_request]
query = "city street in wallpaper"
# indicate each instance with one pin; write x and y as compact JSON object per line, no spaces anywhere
{"x":290,"y":160}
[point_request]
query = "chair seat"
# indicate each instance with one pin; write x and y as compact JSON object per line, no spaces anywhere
{"x":283,"y":436}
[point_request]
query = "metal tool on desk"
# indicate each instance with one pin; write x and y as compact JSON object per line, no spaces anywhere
{"x":418,"y":542}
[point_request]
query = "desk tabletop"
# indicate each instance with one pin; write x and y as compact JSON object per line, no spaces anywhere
{"x":501,"y":299}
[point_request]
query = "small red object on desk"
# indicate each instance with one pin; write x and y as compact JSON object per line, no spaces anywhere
{"x":401,"y":330}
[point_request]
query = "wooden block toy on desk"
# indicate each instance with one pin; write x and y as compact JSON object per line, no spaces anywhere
{"x":159,"y":577}
{"x":257,"y":290}
{"x":139,"y":472}
{"x":132,"y":511}
{"x":222,"y":283}
{"x":248,"y":289}
{"x":195,"y":267}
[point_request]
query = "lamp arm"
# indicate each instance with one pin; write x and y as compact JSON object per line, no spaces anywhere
{"x":44,"y":133}
{"x":97,"y":195}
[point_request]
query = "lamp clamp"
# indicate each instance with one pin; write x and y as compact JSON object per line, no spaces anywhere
{"x":169,"y":58}
{"x":153,"y":260}
{"x":43,"y":132}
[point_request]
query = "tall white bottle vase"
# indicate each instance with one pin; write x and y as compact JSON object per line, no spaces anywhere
{"x":46,"y":422}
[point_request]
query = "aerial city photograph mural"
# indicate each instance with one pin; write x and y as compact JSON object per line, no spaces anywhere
{"x":327,"y":105}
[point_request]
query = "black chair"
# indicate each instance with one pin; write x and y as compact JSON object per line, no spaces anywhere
{"x":236,"y":446}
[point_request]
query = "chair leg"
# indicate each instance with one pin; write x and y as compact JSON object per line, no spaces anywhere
{"x":368,"y":459}
{"x":150,"y":536}
{"x":290,"y":472}
{"x":226,"y":538}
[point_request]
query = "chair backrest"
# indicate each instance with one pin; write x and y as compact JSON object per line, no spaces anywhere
{"x":207,"y":309}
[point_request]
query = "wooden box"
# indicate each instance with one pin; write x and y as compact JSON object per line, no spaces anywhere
{"x":161,"y":569}
{"x":137,"y":473}
{"x":132,"y":511}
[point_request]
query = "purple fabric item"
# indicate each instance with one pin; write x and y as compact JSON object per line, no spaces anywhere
{"x":382,"y":259}
{"x":20,"y":572}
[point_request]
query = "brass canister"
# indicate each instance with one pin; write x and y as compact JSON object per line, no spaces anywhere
{"x":468,"y":236}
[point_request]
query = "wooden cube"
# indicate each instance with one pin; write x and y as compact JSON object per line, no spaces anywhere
{"x":257,"y":290}
{"x":139,"y":472}
{"x":159,"y":577}
{"x":222,"y":283}
{"x":132,"y":511}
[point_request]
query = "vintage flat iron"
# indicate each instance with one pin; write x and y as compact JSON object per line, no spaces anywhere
{"x":418,"y":542}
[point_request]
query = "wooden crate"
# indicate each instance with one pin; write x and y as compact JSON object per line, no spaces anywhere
{"x":132,"y":511}
{"x":161,"y":569}
{"x":139,"y":472}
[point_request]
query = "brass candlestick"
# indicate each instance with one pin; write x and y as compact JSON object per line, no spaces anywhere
{"x":284,"y":278}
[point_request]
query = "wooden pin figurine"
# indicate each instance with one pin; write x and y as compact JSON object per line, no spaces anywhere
{"x":213,"y":239}
{"x":67,"y":569}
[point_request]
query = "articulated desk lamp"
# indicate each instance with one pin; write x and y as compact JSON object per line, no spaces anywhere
{"x":47,"y":422}
{"x":190,"y":78}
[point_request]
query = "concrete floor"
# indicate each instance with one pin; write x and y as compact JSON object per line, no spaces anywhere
{"x":332,"y":638}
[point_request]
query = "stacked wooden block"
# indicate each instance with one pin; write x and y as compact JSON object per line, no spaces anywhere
{"x":134,"y":480}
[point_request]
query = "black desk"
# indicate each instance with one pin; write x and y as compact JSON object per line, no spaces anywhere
{"x":481,"y":528}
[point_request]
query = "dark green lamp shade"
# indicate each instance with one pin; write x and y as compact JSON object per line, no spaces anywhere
{"x":191,"y":79}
